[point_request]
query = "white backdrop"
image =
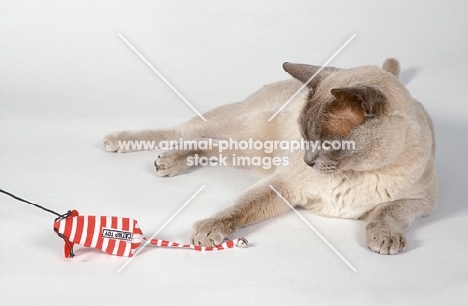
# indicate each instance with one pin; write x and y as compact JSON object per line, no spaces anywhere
{"x":67,"y":79}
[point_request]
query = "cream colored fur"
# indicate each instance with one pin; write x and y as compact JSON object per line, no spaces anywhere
{"x":390,"y":183}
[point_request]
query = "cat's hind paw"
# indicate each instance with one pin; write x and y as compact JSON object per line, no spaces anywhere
{"x":113,"y":142}
{"x":171,"y":163}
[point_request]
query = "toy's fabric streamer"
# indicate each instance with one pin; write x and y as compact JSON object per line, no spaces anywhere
{"x":239,"y":243}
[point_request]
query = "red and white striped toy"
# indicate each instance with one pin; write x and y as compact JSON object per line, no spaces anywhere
{"x":116,"y":235}
{"x":113,"y":235}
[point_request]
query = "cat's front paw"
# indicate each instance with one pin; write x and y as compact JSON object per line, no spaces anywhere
{"x":383,"y":240}
{"x":210,"y":232}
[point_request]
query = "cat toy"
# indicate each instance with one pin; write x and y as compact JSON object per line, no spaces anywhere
{"x":113,"y":235}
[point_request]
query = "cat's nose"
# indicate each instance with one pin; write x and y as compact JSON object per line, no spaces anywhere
{"x":309,"y":163}
{"x":310,"y":157}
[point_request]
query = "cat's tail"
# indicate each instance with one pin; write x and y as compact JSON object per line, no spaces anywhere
{"x":392,"y":65}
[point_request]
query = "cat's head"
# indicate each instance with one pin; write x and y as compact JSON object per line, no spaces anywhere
{"x":358,"y":113}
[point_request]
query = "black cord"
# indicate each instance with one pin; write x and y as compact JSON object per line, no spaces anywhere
{"x":59,"y":217}
{"x":37,"y":205}
{"x":67,"y":243}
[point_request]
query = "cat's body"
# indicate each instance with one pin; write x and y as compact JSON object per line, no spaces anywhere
{"x":388,"y":179}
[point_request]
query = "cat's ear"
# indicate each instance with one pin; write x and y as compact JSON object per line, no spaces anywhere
{"x":351,"y":107}
{"x":371,"y":99}
{"x":304,"y":72}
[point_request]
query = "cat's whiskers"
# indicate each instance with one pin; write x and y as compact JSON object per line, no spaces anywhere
{"x":344,"y":175}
